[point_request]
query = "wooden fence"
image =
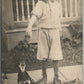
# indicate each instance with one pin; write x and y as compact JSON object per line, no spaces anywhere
{"x":22,"y":8}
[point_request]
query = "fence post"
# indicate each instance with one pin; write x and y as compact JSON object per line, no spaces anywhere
{"x":61,"y":8}
{"x":22,"y":10}
{"x":76,"y":11}
{"x":71,"y":8}
{"x":66,"y":13}
{"x":28,"y":10}
{"x":17,"y":10}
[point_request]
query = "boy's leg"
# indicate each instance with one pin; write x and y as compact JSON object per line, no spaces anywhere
{"x":55,"y":66}
{"x":56,"y":77}
{"x":44,"y":63}
{"x":44,"y":74}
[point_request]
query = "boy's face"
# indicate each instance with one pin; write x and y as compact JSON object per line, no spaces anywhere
{"x":22,"y":67}
{"x":52,"y":0}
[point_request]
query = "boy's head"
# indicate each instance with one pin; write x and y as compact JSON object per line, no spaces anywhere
{"x":22,"y":66}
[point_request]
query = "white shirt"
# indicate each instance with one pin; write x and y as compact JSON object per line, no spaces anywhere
{"x":48,"y":14}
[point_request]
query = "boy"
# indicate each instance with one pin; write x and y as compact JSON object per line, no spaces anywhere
{"x":47,"y":12}
{"x":23,"y":77}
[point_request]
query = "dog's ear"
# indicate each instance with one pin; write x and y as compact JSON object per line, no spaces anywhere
{"x":19,"y":66}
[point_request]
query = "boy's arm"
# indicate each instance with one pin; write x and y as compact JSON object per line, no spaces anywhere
{"x":31,"y":23}
{"x":37,"y":14}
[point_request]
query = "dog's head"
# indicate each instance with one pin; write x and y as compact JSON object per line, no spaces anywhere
{"x":22,"y":66}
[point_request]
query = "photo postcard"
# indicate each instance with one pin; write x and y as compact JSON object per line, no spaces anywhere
{"x":42,"y":42}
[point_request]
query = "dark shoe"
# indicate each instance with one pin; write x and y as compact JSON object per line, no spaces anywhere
{"x":56,"y":81}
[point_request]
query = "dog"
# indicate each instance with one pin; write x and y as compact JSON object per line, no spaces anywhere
{"x":23,"y":76}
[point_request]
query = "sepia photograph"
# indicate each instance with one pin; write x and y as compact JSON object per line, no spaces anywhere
{"x":42,"y":42}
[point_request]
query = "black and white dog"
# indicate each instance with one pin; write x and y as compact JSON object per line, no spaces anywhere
{"x":23,"y":76}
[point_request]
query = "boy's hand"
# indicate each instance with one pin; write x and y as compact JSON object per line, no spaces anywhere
{"x":31,"y":23}
{"x":29,"y":32}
